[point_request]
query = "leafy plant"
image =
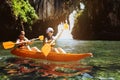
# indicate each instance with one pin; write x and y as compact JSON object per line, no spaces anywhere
{"x":23,"y":11}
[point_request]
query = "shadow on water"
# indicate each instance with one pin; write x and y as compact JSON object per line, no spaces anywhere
{"x":22,"y":68}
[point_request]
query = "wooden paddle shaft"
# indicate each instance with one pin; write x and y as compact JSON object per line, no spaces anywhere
{"x":27,"y":41}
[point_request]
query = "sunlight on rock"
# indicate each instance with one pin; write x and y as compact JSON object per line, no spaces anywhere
{"x":82,"y":6}
{"x":67,"y":33}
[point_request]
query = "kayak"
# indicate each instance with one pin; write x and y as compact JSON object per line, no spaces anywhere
{"x":52,"y":56}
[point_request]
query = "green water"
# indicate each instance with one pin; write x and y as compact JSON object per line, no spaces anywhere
{"x":105,"y":62}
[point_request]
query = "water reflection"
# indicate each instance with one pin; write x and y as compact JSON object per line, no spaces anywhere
{"x":26,"y":67}
{"x":105,"y":63}
{"x":86,"y":75}
{"x":74,"y":46}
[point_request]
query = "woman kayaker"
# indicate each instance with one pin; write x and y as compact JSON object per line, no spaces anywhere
{"x":23,"y":42}
{"x":49,"y":38}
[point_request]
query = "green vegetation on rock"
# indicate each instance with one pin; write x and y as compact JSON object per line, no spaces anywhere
{"x":23,"y":11}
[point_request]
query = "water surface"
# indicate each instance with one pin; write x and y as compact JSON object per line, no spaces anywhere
{"x":106,"y":60}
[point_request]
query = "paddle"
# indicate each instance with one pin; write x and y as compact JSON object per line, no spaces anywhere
{"x":47,"y":47}
{"x":10,"y":44}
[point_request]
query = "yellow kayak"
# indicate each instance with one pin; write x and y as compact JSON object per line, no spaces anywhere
{"x":52,"y":56}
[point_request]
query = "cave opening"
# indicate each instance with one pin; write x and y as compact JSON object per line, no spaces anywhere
{"x":71,"y":19}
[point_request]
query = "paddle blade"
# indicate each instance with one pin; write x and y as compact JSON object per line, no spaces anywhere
{"x":8,"y":44}
{"x":66,"y":26}
{"x":46,"y":49}
{"x":41,"y":37}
